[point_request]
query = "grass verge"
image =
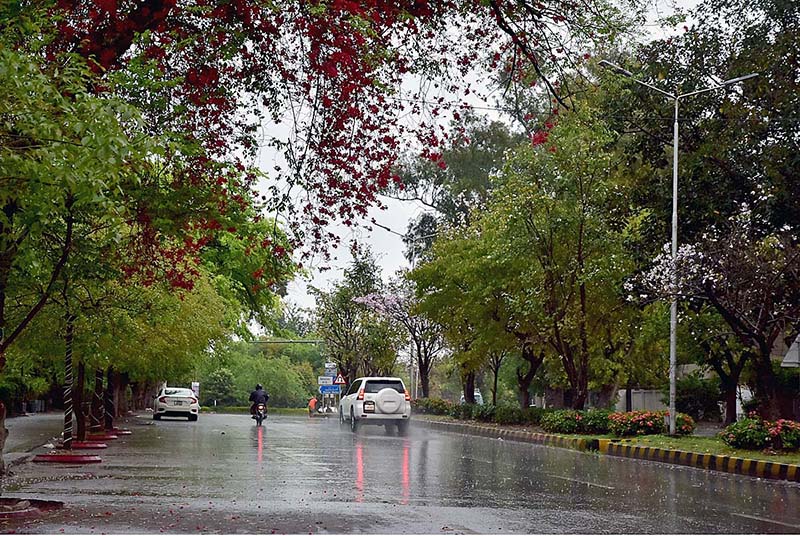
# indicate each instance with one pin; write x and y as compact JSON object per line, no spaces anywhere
{"x":710,"y":445}
{"x":246,"y":409}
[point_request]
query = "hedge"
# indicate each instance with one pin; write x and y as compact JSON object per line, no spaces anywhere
{"x":754,"y":433}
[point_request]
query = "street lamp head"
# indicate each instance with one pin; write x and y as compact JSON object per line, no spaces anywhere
{"x":614,"y":67}
{"x":739,"y":79}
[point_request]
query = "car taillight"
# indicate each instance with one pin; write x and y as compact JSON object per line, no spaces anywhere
{"x":163,"y":399}
{"x":408,"y":396}
{"x":361,"y":395}
{"x":194,"y":400}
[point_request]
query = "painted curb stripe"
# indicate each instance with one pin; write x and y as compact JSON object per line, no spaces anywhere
{"x":737,"y":466}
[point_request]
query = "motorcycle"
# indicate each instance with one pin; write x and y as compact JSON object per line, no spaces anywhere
{"x":260,"y":414}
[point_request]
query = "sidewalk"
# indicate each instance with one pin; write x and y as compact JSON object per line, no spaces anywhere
{"x":30,"y":432}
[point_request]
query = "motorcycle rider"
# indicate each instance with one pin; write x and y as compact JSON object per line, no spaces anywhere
{"x":258,"y":396}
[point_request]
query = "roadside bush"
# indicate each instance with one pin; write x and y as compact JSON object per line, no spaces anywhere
{"x":684,"y":424}
{"x":754,"y":433}
{"x":633,"y":423}
{"x":697,"y":397}
{"x":508,"y":415}
{"x":534,"y":415}
{"x":568,"y":421}
{"x":747,"y":433}
{"x":595,"y":421}
{"x":565,"y":421}
{"x":785,"y":434}
{"x":461,"y":411}
{"x":484,"y":413}
{"x":431,"y":406}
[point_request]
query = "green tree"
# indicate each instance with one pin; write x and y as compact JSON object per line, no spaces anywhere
{"x":218,"y":388}
{"x":357,"y":338}
{"x":452,"y":182}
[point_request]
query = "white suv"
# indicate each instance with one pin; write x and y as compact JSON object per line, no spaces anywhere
{"x":376,"y":400}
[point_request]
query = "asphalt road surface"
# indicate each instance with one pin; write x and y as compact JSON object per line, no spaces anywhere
{"x":298,"y":475}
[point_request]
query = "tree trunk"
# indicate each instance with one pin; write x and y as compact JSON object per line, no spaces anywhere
{"x":425,"y":383}
{"x":68,"y":401}
{"x":766,"y":393}
{"x":524,"y":381}
{"x":424,"y":367}
{"x":494,"y":388}
{"x":97,"y":403}
{"x":108,"y":401}
{"x":579,"y":398}
{"x":3,"y":436}
{"x":524,"y":384}
{"x":79,"y":401}
{"x":120,"y":393}
{"x":469,"y":388}
{"x":730,"y":404}
{"x":629,"y":396}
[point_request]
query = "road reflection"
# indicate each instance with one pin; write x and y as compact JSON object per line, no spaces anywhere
{"x":406,"y":479}
{"x":386,"y":460}
{"x":359,"y":472}
{"x":260,"y":443}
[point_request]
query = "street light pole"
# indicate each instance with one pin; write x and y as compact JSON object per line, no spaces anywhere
{"x":673,"y":311}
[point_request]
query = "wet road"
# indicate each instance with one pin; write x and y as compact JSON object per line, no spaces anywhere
{"x":222,"y":474}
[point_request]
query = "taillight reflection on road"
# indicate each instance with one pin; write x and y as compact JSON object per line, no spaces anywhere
{"x":405,"y":476}
{"x":359,"y":473}
{"x":260,"y":444}
{"x":406,"y":480}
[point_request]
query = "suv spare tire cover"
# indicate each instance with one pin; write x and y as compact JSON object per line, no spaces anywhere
{"x":389,"y":401}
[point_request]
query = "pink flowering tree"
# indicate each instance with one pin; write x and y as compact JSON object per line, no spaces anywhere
{"x":399,"y":304}
{"x":752,"y":281}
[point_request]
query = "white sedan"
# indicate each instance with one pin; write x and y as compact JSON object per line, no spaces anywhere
{"x":176,"y":402}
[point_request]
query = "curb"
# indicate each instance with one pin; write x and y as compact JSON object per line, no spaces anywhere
{"x":610,"y":447}
{"x":12,"y":459}
{"x":523,"y":436}
{"x":712,"y":462}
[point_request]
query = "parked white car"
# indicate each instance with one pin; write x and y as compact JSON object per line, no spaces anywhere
{"x":376,"y":400}
{"x":478,"y":398}
{"x":176,"y":402}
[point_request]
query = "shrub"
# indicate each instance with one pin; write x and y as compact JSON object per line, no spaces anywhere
{"x":595,"y":421}
{"x":461,"y":411}
{"x":684,"y":424}
{"x":747,"y":433}
{"x":565,"y":421}
{"x":697,"y":397}
{"x":534,"y":415}
{"x":785,"y":434}
{"x":508,"y":415}
{"x":633,"y":423}
{"x":648,"y":423}
{"x":754,"y":433}
{"x":432,"y":406}
{"x":484,"y":413}
{"x":568,"y":421}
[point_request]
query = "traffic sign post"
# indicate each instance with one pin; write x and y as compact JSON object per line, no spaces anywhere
{"x":339,"y":380}
{"x":324,"y":380}
{"x":329,"y":389}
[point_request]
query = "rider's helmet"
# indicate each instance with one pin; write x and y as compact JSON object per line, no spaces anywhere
{"x":258,"y":386}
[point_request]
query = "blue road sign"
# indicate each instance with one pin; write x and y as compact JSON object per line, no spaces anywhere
{"x":329,"y":389}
